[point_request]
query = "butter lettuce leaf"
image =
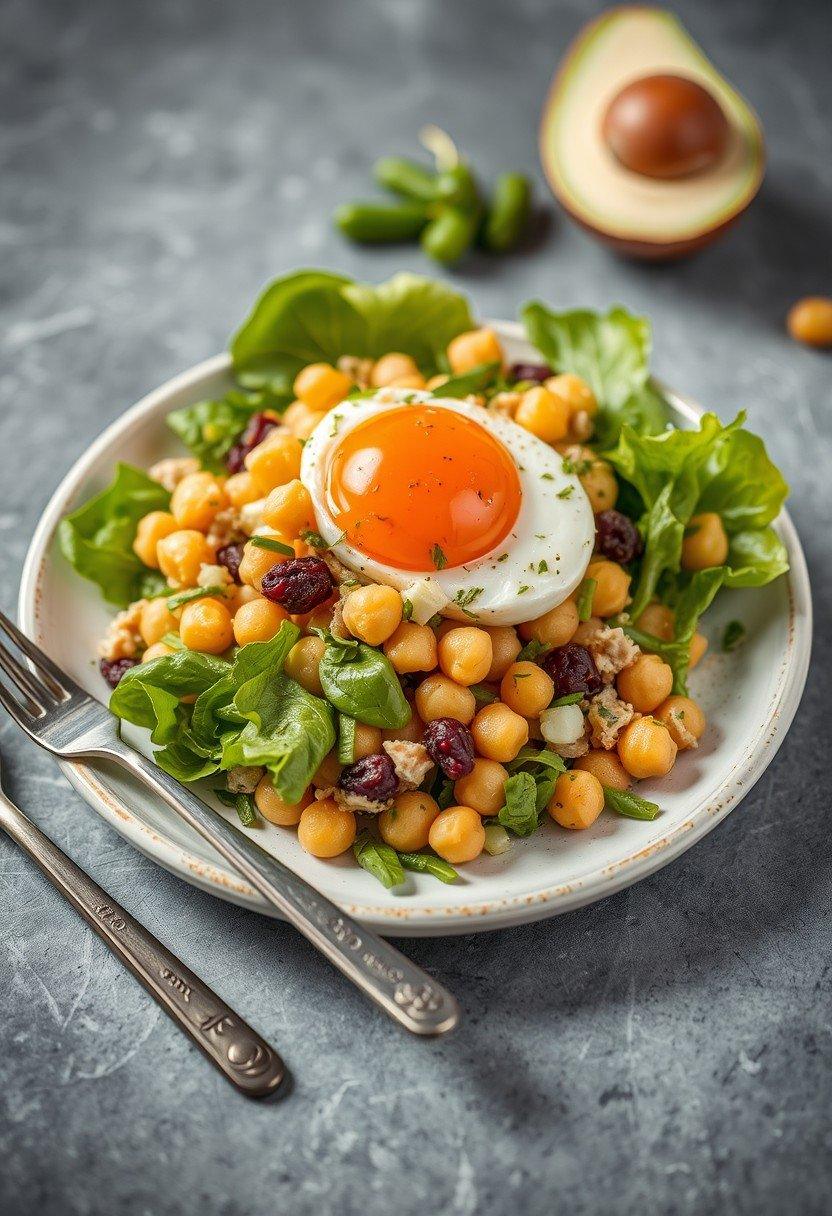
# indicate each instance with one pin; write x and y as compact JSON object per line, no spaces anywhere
{"x":210,"y":428}
{"x":611,"y":351}
{"x":97,"y":539}
{"x":312,"y":316}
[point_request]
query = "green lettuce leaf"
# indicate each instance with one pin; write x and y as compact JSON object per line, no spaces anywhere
{"x":313,"y":316}
{"x":611,"y":351}
{"x":149,"y":695}
{"x":360,"y":682}
{"x":97,"y":539}
{"x":519,"y":815}
{"x":209,"y":429}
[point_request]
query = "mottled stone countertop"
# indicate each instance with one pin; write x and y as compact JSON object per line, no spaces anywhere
{"x":667,"y":1050}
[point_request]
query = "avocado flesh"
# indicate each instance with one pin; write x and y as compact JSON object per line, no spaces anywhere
{"x":642,"y":215}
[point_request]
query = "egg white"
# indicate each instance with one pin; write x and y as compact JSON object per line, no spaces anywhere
{"x":552,"y":529}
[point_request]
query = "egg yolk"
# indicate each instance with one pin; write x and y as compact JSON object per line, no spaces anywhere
{"x":422,"y":488}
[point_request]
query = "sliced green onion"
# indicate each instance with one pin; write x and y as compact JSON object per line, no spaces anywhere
{"x":195,"y":593}
{"x":584,"y":601}
{"x":630,"y":805}
{"x":571,"y":698}
{"x":428,"y":863}
{"x":276,"y":546}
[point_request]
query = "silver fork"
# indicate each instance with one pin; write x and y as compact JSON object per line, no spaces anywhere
{"x":58,"y":715}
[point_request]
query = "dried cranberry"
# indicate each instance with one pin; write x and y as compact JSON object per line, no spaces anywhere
{"x":373,"y":777}
{"x":298,"y":585}
{"x":450,"y":745}
{"x":230,"y":556}
{"x":258,"y":428}
{"x":530,"y":371}
{"x":572,"y":669}
{"x":113,"y":669}
{"x":617,"y":537}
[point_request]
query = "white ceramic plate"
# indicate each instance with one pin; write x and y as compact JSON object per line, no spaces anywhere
{"x":750,"y":698}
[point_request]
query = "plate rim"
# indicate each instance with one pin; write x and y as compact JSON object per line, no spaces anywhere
{"x":480,"y":915}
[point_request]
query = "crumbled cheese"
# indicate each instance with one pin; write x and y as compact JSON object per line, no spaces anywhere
{"x":123,"y":639}
{"x":337,"y":625}
{"x":356,"y":802}
{"x":682,"y":733}
{"x":505,"y":403}
{"x":225,"y":529}
{"x":244,"y":778}
{"x":170,"y":472}
{"x":251,"y":516}
{"x":213,"y":576}
{"x":426,"y":598}
{"x":571,"y":751}
{"x":607,"y":717}
{"x":410,"y":760}
{"x":612,"y":651}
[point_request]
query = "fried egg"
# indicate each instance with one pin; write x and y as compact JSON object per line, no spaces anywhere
{"x":413,"y":490}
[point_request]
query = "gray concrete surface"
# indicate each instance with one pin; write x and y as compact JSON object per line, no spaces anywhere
{"x":667,"y":1050}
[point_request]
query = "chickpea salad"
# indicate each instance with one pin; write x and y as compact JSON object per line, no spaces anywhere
{"x":412,"y":601}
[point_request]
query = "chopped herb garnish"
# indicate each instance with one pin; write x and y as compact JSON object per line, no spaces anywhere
{"x":547,"y":477}
{"x":733,"y":636}
{"x":576,"y":467}
{"x":482,"y":694}
{"x":274,"y":546}
{"x":566,"y":492}
{"x":436,"y":620}
{"x":463,"y":598}
{"x":571,"y":698}
{"x":317,"y":541}
{"x":586,"y":592}
{"x":523,"y":588}
{"x":407,"y":609}
{"x":502,"y":557}
{"x":543,"y":567}
{"x":195,"y":593}
{"x":531,"y":651}
{"x":438,"y":558}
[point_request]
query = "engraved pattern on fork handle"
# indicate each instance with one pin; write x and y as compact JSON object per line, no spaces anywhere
{"x":245,"y":1058}
{"x":400,"y":987}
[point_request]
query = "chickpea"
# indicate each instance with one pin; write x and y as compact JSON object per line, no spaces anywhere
{"x":417,"y":382}
{"x":320,"y":386}
{"x":182,"y":554}
{"x":206,"y":625}
{"x":705,"y":543}
{"x":596,"y":477}
{"x":810,"y":321}
{"x":373,"y":613}
{"x":465,"y":655}
{"x":304,"y":426}
{"x":327,"y":772}
{"x":698,"y":646}
{"x":645,"y":683}
{"x":411,"y":648}
{"x":470,"y":349}
{"x":555,"y":628}
{"x":577,"y":394}
{"x":657,"y":620}
{"x":505,"y":647}
{"x":241,"y":490}
{"x":320,"y":618}
{"x":436,"y":382}
{"x":391,"y":368}
{"x":684,"y":720}
{"x":587,"y":630}
{"x":412,"y":731}
{"x":527,"y":689}
{"x":367,"y":740}
{"x":274,"y":461}
{"x":646,"y":748}
{"x":157,"y":651}
{"x":239,"y":595}
{"x":293,"y":414}
{"x":257,"y":621}
{"x":196,"y":500}
{"x":155,"y":621}
{"x":439,"y":697}
{"x":483,"y":788}
{"x":274,"y":808}
{"x":606,"y":767}
{"x":578,"y":799}
{"x":499,"y":733}
{"x":612,"y":587}
{"x":303,"y":661}
{"x":326,"y":829}
{"x":151,"y":529}
{"x":405,"y":826}
{"x":543,"y":414}
{"x":256,"y":562}
{"x":289,"y":509}
{"x":457,"y":834}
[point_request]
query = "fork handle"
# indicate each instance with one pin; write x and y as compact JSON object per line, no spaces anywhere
{"x":244,"y":1058}
{"x":401,"y":988}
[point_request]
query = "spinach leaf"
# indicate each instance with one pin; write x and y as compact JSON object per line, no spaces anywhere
{"x":519,"y":814}
{"x":209,"y":429}
{"x":97,"y":539}
{"x":611,"y":353}
{"x":477,"y":380}
{"x":149,"y":695}
{"x":361,"y":683}
{"x":378,"y":859}
{"x":183,"y":763}
{"x":312,"y":316}
{"x":288,"y":730}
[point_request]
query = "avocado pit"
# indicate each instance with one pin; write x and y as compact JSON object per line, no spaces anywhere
{"x":665,"y":126}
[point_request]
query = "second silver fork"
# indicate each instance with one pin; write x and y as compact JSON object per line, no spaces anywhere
{"x":58,"y":715}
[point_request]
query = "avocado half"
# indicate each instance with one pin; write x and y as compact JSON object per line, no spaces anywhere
{"x":640,"y":216}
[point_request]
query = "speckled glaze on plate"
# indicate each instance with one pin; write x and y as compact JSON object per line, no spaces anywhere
{"x":750,"y":698}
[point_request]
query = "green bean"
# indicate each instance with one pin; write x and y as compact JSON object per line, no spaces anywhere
{"x":450,"y":234}
{"x":405,"y":177}
{"x":380,"y":222}
{"x":457,"y":186}
{"x":508,"y":213}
